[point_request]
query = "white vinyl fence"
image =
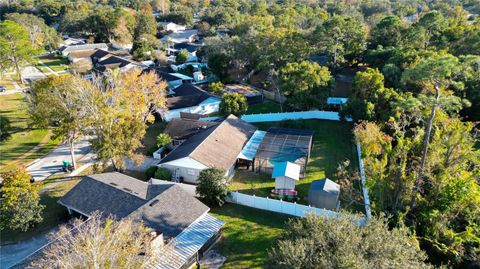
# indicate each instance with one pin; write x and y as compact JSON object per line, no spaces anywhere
{"x":281,"y":116}
{"x":280,"y":206}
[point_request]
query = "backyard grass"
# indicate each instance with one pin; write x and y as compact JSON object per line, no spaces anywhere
{"x":266,"y":107}
{"x":24,"y":138}
{"x":53,"y":214}
{"x":247,"y":235}
{"x":332,"y":144}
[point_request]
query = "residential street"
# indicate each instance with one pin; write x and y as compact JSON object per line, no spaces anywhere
{"x":42,"y":168}
{"x":11,"y":254}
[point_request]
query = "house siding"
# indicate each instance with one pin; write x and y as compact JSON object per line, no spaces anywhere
{"x":199,"y":109}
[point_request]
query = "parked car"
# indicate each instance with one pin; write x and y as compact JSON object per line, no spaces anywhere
{"x":3,"y":89}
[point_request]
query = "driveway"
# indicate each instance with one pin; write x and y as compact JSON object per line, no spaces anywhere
{"x":50,"y":164}
{"x":13,"y":253}
{"x":32,"y":73}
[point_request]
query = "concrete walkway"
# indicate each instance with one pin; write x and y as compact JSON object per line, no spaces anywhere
{"x":49,"y":69}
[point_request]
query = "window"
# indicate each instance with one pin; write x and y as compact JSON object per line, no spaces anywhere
{"x":190,"y":172}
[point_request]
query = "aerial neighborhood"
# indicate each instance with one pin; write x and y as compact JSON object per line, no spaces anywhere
{"x":277,"y":134}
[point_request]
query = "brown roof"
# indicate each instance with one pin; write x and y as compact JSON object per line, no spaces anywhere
{"x":217,"y":146}
{"x":181,"y":129}
{"x":81,"y":54}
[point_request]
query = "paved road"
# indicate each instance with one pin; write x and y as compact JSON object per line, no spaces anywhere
{"x":52,"y":163}
{"x":13,"y":253}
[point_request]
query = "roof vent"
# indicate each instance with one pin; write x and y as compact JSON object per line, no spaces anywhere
{"x":154,"y":202}
{"x":113,"y":183}
{"x":127,"y":189}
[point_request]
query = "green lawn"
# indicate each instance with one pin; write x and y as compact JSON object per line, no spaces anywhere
{"x":266,"y":107}
{"x":55,"y":62}
{"x":332,"y":143}
{"x":53,"y":214}
{"x":24,"y":138}
{"x":247,"y":235}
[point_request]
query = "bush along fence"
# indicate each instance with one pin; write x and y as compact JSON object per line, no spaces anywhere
{"x":281,"y":116}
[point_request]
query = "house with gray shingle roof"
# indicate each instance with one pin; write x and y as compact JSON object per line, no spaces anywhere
{"x":166,"y":207}
{"x":215,"y":146}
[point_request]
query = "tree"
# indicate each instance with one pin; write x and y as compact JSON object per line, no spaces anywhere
{"x":161,"y":5}
{"x":369,"y":100}
{"x":5,"y":128}
{"x":163,"y":174}
{"x":233,"y":103}
{"x":19,"y":207}
{"x":388,"y":32}
{"x":317,"y":242}
{"x":343,"y":39}
{"x":219,"y":64}
{"x":304,"y":84}
{"x":99,"y":243}
{"x":430,"y":26}
{"x":182,"y":56}
{"x":434,"y":74}
{"x":146,"y":23}
{"x":41,"y":35}
{"x":15,"y":43}
{"x":163,"y":140}
{"x":146,"y":92}
{"x":216,"y":88}
{"x":212,"y":186}
{"x":61,"y":101}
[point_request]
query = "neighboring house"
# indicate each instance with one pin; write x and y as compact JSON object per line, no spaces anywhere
{"x":174,"y":79}
{"x":172,"y":212}
{"x":172,"y":27}
{"x":324,"y":193}
{"x":186,"y":36}
{"x":251,"y":94}
{"x":182,"y":129}
{"x":217,"y":146}
{"x":188,"y":98}
{"x":286,"y":174}
{"x":112,"y":62}
{"x":65,"y":50}
{"x":73,"y":41}
{"x":175,"y":48}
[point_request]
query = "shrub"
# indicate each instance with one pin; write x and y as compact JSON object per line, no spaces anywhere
{"x":151,"y":171}
{"x":212,"y":187}
{"x":233,"y":103}
{"x":163,"y":140}
{"x":163,"y":174}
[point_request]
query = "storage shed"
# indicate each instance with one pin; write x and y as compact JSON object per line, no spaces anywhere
{"x":286,"y":174}
{"x":324,"y":193}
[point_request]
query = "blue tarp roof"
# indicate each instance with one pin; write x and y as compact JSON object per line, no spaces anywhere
{"x":286,"y":169}
{"x":250,"y":149}
{"x":336,"y":100}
